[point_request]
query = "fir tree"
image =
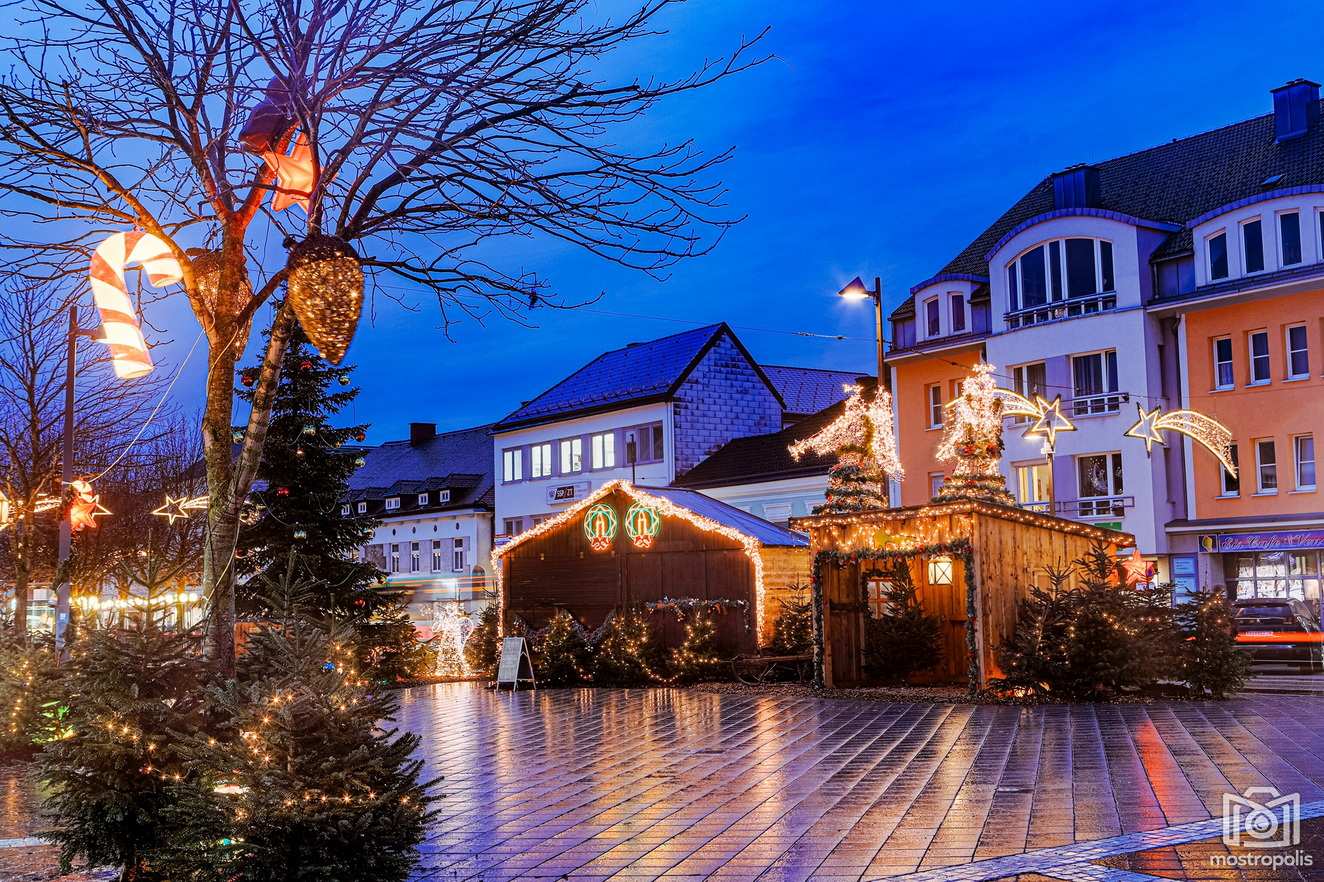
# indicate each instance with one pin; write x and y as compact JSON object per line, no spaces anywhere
{"x":1211,"y":662}
{"x":27,"y":691}
{"x":390,"y":651}
{"x":561,"y":651}
{"x":696,"y":658}
{"x":304,"y":475}
{"x":793,"y":632}
{"x":483,"y":648}
{"x":302,"y":779}
{"x":904,"y":639}
{"x":132,"y":697}
{"x":624,"y":652}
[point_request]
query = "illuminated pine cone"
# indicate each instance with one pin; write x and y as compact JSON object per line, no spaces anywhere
{"x":326,"y":290}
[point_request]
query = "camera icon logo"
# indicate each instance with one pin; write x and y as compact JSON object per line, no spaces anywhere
{"x":1261,"y":818}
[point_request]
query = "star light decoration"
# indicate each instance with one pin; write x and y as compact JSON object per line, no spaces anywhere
{"x":85,"y":508}
{"x":1137,"y":569}
{"x":173,"y":509}
{"x":1047,"y":415}
{"x":1204,"y":430}
{"x":295,"y":174}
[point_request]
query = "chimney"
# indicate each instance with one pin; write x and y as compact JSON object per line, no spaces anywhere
{"x":1295,"y":109}
{"x":1076,"y":187}
{"x":420,"y":432}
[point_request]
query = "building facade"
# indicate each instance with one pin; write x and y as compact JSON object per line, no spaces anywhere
{"x":1185,"y":276}
{"x":648,"y":413}
{"x":432,"y":496}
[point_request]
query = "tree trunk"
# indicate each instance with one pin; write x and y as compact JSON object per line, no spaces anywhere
{"x":222,"y":513}
{"x":22,"y":576}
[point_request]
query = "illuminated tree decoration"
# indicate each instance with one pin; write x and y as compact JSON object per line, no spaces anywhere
{"x":120,"y":330}
{"x":326,"y":291}
{"x":1205,"y":431}
{"x":1136,"y":569}
{"x":207,"y":280}
{"x":451,"y":627}
{"x":85,"y":507}
{"x":295,"y":173}
{"x":600,"y":526}
{"x":642,"y":524}
{"x":972,"y":438}
{"x":864,"y":443}
{"x":1047,"y":415}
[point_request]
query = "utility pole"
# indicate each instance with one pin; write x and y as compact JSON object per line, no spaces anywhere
{"x":63,"y":589}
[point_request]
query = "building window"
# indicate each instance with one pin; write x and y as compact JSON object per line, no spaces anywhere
{"x":604,"y":450}
{"x":513,"y":526}
{"x":436,"y":555}
{"x":392,"y":503}
{"x":540,"y":460}
{"x":940,"y":571}
{"x":1259,"y":357}
{"x":512,"y":465}
{"x":935,"y":484}
{"x":1289,"y":237}
{"x":957,"y":301}
{"x":1217,"y":247}
{"x":933,"y":394}
{"x":1285,"y":574}
{"x":1231,"y":483}
{"x":1094,"y":378}
{"x":414,"y":563}
{"x":777,"y":512}
{"x":1223,"y":375}
{"x":572,"y":456}
{"x":1029,"y":380}
{"x":1033,"y":485}
{"x":458,"y":562}
{"x":344,"y":510}
{"x":1298,"y":353}
{"x":1100,"y":483}
{"x":1266,"y":466}
{"x":932,"y":324}
{"x":644,"y":444}
{"x":422,"y":499}
{"x":1038,"y":275}
{"x":1303,"y":454}
{"x":395,"y":558}
{"x":1252,"y":246}
{"x":878,"y":590}
{"x":363,"y":508}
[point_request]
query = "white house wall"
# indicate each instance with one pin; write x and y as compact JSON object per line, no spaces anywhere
{"x":770,"y":499}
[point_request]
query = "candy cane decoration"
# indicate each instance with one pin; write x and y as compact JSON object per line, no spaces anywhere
{"x":119,"y":321}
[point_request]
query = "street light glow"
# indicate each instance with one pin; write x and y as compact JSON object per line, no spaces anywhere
{"x":855,"y":290}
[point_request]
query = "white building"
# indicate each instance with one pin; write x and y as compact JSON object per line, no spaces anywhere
{"x":433,"y":496}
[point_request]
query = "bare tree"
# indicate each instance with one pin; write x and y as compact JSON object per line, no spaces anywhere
{"x":33,"y":350}
{"x":434,"y":127}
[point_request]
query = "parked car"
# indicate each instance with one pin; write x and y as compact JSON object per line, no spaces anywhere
{"x":1280,"y":631}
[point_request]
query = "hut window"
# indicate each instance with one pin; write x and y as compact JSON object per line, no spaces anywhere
{"x":940,"y":571}
{"x":878,"y":590}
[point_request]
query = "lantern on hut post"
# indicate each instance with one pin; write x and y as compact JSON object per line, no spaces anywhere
{"x":326,"y":291}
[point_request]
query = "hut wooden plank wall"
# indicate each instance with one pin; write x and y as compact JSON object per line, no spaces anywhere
{"x":1008,"y":549}
{"x":704,"y":549}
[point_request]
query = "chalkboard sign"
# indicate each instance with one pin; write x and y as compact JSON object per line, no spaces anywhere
{"x":516,"y":664}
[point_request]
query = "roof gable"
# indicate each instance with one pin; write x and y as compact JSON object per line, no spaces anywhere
{"x":460,"y":461}
{"x":809,"y":390}
{"x":759,"y":458}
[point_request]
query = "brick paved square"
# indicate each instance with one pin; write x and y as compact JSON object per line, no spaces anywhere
{"x":681,"y":784}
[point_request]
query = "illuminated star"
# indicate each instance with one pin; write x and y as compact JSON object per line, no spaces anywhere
{"x":196,"y":503}
{"x":1050,"y":421}
{"x":84,"y":510}
{"x":1145,"y":428}
{"x":1137,"y":569}
{"x":294,"y":174}
{"x":173,"y":509}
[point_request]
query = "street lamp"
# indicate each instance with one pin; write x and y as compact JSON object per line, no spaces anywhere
{"x":855,"y":290}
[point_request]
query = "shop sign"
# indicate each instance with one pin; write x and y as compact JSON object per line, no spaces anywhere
{"x":563,"y":493}
{"x":1230,"y":543}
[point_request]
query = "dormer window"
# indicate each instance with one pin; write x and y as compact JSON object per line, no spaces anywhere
{"x":1060,"y":270}
{"x":363,"y":508}
{"x":392,"y":503}
{"x":1217,"y":246}
{"x":344,"y":510}
{"x":932,"y":320}
{"x":957,"y":300}
{"x":422,"y":499}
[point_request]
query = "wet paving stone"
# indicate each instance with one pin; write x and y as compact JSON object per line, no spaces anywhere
{"x":675,"y":784}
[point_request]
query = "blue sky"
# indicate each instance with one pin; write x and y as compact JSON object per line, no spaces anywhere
{"x":878,"y":141}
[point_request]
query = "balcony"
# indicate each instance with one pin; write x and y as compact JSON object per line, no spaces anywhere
{"x":1085,"y":507}
{"x":1098,"y":405}
{"x":1059,"y":311}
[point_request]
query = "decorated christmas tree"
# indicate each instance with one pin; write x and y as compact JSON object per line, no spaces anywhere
{"x":972,"y":439}
{"x":1211,"y":661}
{"x":903,"y":639}
{"x":303,"y":477}
{"x":863,"y":442}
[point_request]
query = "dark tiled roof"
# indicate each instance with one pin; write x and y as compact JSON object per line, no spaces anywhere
{"x":460,"y":461}
{"x":1176,"y":182}
{"x":764,"y":532}
{"x":763,"y":457}
{"x":809,"y":390}
{"x":637,"y":373}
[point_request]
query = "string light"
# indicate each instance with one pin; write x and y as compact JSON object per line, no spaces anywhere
{"x":451,"y":627}
{"x":1204,"y":430}
{"x":864,"y":429}
{"x":972,"y":438}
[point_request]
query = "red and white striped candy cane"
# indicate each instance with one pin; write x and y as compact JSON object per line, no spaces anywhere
{"x":119,"y":321}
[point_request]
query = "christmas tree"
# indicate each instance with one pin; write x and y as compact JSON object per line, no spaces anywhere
{"x":303,"y":476}
{"x":129,"y":697}
{"x":903,"y":639}
{"x":863,"y":442}
{"x":1211,"y":662}
{"x":561,"y":651}
{"x":972,"y":438}
{"x":302,"y":778}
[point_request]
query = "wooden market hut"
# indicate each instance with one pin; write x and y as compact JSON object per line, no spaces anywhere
{"x":625,"y":545}
{"x":971,"y":563}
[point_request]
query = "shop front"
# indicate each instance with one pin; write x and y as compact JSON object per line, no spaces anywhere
{"x":1250,"y":560}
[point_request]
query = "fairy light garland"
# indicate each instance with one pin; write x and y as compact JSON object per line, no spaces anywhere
{"x":664,"y":508}
{"x":1204,"y":430}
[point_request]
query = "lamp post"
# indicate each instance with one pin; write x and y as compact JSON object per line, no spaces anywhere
{"x":855,"y":290}
{"x":65,"y":542}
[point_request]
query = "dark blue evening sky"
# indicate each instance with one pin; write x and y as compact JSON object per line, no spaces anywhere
{"x":880,"y":140}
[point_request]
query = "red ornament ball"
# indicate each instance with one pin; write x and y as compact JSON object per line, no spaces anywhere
{"x":359,"y":601}
{"x":360,"y":435}
{"x":248,"y":378}
{"x":282,"y":491}
{"x":305,"y":365}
